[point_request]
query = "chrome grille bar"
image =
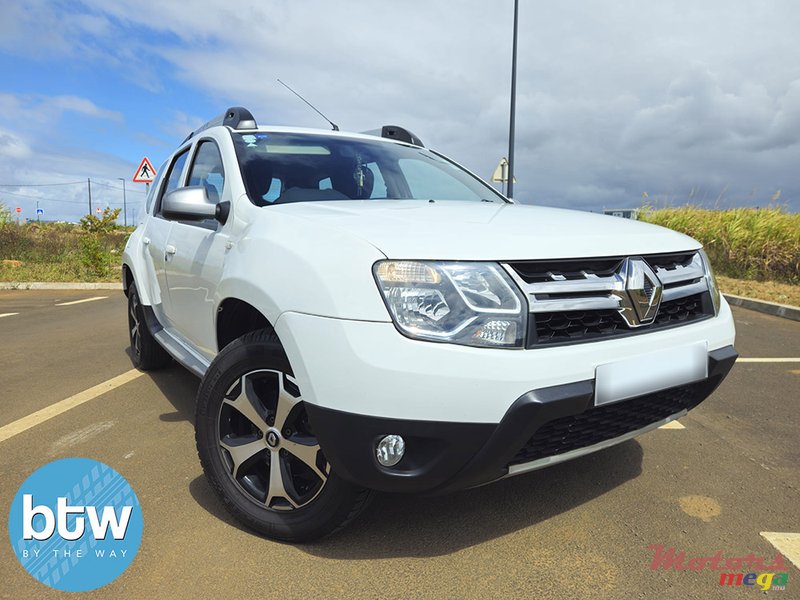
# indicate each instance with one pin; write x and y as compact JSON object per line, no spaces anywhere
{"x":566,"y":304}
{"x":601,"y":292}
{"x":690,"y":289}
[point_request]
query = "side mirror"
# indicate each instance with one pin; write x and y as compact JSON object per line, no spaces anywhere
{"x":192,"y":204}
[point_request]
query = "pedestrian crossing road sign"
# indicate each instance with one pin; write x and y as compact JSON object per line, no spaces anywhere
{"x":145,"y":173}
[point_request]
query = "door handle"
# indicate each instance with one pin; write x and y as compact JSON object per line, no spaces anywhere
{"x":146,"y":241}
{"x":171,"y":249}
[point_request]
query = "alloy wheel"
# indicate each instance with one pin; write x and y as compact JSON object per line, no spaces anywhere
{"x":267,"y":443}
{"x":134,"y":324}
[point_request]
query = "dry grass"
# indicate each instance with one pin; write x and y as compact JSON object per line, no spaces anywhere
{"x":755,"y":253}
{"x":742,"y":243}
{"x":771,"y":291}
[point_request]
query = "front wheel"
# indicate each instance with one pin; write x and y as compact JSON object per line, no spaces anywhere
{"x":259,"y":451}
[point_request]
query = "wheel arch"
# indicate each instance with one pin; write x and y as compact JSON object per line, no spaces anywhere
{"x":235,"y":318}
{"x":127,"y":278}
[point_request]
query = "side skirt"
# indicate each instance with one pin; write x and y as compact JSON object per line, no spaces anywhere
{"x":179,"y":351}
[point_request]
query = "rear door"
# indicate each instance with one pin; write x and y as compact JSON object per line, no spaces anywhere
{"x":156,"y":235}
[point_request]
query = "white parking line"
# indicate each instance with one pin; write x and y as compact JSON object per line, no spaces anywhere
{"x":40,"y":416}
{"x":787,"y":544}
{"x":81,"y":301}
{"x":8,"y":315}
{"x":767,"y":360}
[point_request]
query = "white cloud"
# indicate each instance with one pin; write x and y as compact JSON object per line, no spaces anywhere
{"x":12,"y":147}
{"x":613,"y":98}
{"x":47,"y":110}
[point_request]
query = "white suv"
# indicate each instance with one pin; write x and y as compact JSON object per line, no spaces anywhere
{"x":367,"y":315}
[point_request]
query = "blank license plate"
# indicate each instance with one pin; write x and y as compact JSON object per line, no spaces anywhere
{"x":650,"y":373}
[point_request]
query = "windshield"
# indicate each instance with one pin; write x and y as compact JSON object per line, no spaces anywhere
{"x":278,"y":168}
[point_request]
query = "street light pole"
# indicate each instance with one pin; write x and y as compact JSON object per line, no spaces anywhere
{"x":510,"y":184}
{"x":124,"y":204}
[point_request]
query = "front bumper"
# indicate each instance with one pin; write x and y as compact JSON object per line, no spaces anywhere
{"x":368,"y":368}
{"x":543,"y":426}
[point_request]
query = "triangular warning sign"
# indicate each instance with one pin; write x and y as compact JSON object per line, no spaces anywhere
{"x":145,"y":173}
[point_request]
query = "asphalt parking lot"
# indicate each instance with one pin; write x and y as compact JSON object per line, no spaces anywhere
{"x":577,"y":530}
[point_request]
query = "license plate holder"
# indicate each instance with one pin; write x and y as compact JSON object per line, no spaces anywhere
{"x":650,"y":372}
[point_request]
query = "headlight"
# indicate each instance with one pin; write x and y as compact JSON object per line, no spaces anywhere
{"x":474,"y":304}
{"x":711,"y":281}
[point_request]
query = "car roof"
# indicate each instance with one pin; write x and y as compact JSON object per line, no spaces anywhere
{"x":239,"y":119}
{"x":312,"y":131}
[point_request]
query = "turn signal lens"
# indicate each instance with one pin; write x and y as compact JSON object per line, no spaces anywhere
{"x":406,"y":271}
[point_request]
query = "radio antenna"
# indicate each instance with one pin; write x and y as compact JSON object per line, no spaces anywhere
{"x":334,"y":125}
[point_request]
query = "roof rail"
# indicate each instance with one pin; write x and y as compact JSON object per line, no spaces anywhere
{"x":236,"y":117}
{"x":393,"y":132}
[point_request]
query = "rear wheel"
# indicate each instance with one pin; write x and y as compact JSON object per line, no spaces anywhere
{"x":259,"y":450}
{"x":146,"y":353}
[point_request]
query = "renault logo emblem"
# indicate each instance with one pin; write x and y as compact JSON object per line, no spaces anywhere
{"x":272,"y":439}
{"x":642,"y":296}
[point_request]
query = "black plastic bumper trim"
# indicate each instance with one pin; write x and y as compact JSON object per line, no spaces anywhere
{"x":444,"y":456}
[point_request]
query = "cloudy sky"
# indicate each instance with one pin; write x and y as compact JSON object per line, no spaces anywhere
{"x":685,"y":101}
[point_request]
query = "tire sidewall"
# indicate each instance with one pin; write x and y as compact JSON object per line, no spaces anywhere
{"x":133,"y":297}
{"x":316,"y":519}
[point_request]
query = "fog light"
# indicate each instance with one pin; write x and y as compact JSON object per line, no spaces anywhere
{"x":390,"y":450}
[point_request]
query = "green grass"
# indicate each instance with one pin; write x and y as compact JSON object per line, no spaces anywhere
{"x":54,"y":252}
{"x":742,"y":243}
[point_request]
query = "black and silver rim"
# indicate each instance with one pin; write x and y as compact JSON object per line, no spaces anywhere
{"x":134,"y":325}
{"x":267,"y":444}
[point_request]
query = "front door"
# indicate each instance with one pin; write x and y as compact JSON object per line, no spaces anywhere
{"x":196,"y":254}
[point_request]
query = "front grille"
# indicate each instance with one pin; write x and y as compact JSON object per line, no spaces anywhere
{"x":606,"y":422}
{"x":578,"y":300}
{"x":559,"y":270}
{"x":681,"y":310}
{"x":572,"y":325}
{"x":670,"y":262}
{"x":569,"y":326}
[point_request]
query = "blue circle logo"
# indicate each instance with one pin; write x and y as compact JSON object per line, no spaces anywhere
{"x":75,"y":524}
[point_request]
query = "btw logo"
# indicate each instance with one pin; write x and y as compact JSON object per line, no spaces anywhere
{"x":75,"y":524}
{"x":59,"y":520}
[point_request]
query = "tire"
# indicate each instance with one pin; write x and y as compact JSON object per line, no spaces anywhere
{"x":146,"y":353}
{"x":258,"y":449}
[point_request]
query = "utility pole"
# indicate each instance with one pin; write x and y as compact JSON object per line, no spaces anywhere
{"x":89,"y":182}
{"x":510,"y":185}
{"x":124,"y":204}
{"x":38,"y":219}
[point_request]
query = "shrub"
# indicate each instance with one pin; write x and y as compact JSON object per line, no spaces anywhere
{"x":96,"y":255}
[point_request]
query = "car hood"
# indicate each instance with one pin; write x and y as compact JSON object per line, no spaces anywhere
{"x":452,"y":230}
